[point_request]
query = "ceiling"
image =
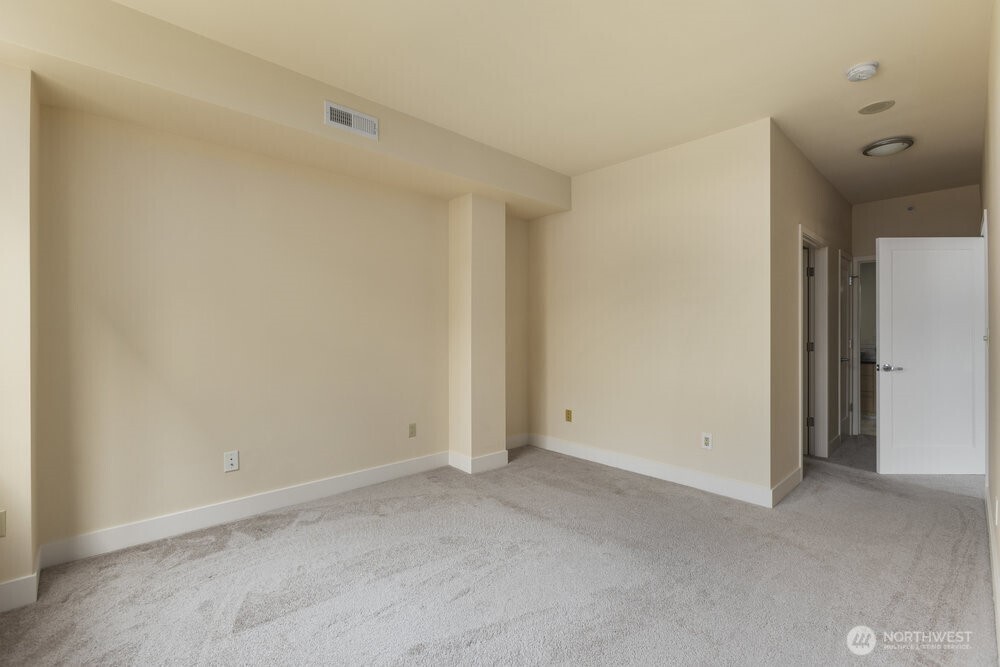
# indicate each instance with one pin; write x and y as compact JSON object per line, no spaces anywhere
{"x":575,"y":85}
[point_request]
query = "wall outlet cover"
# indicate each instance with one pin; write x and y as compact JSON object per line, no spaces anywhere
{"x":231,"y":461}
{"x":413,"y":430}
{"x":706,"y":440}
{"x":569,"y":415}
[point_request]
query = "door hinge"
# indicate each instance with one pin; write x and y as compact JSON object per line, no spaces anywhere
{"x":810,"y":347}
{"x":811,"y":421}
{"x":810,"y":272}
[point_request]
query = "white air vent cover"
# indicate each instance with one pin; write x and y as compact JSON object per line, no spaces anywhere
{"x":352,"y":120}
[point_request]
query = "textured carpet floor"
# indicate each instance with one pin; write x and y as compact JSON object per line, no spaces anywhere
{"x":549,"y":560}
{"x":857,"y":451}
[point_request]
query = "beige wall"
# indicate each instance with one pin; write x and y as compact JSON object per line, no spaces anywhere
{"x":800,"y":195}
{"x":517,"y":327}
{"x":17,"y":550}
{"x":477,"y":326}
{"x":206,"y":94}
{"x":649,"y":308}
{"x":952,"y":212}
{"x":196,"y":299}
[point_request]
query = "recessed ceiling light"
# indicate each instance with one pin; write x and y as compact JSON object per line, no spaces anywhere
{"x":877,"y":107}
{"x":862,"y":71}
{"x":889,"y":146}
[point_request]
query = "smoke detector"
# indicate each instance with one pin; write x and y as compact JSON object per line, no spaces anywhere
{"x":862,"y":71}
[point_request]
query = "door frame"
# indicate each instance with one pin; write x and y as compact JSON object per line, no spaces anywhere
{"x":984,"y":232}
{"x":820,"y":394}
{"x":807,"y":326}
{"x":856,"y":334}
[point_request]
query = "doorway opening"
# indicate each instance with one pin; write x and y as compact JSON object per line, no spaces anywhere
{"x":858,"y":448}
{"x":865,"y":417}
{"x":817,"y":418}
{"x":846,"y":446}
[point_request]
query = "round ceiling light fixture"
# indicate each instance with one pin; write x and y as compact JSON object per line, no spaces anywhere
{"x":889,"y":146}
{"x":876,"y":107}
{"x":862,"y":71}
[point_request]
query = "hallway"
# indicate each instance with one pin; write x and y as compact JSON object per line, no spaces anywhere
{"x":856,"y":451}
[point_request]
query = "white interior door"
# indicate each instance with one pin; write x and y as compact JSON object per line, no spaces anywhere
{"x":932,"y":356}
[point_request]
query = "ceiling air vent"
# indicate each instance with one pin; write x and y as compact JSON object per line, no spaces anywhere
{"x":352,"y":120}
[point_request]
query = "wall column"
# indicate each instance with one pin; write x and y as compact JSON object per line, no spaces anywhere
{"x":477,"y":427}
{"x":18,"y":568}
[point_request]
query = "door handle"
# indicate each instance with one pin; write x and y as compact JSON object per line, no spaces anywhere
{"x":890,"y":367}
{"x":845,"y":358}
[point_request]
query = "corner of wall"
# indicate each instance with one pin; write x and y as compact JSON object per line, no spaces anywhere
{"x":34,"y":221}
{"x":517,"y":294}
{"x":801,"y":199}
{"x":18,"y":111}
{"x":784,"y":288}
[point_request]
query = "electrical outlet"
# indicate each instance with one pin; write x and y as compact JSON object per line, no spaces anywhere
{"x":413,"y":430}
{"x":3,"y":523}
{"x":706,"y":440}
{"x":231,"y":461}
{"x":569,"y":415}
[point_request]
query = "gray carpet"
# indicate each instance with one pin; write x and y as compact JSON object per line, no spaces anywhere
{"x":549,"y":560}
{"x":856,"y":451}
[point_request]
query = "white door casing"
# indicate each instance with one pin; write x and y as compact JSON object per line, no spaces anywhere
{"x":932,"y":356}
{"x":807,"y":354}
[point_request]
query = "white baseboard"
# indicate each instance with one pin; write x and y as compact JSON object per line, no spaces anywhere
{"x":21,"y":591}
{"x":479,"y":464}
{"x":785,"y":486}
{"x":18,"y":592}
{"x":723,"y":486}
{"x":519,"y":440}
{"x":168,"y":525}
{"x":991,"y":522}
